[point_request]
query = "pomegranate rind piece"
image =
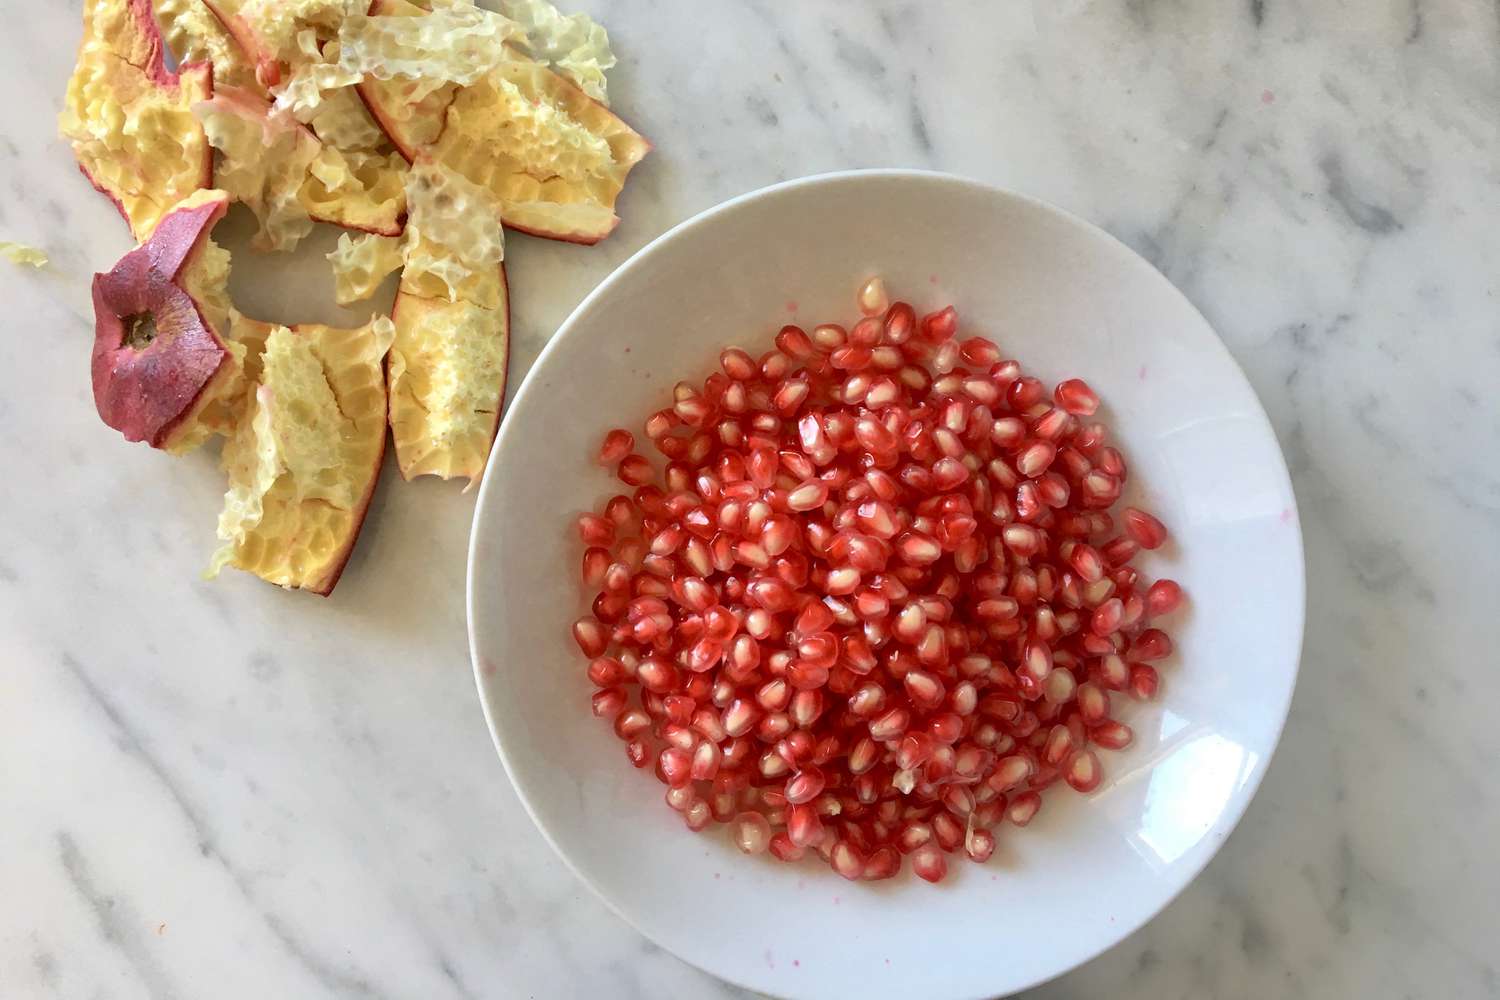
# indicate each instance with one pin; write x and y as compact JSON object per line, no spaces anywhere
{"x":288,"y":178}
{"x":555,"y":158}
{"x":306,"y":457}
{"x":453,"y":42}
{"x":454,"y":238}
{"x":293,"y":48}
{"x":161,"y":369}
{"x":409,"y":109}
{"x":447,"y":376}
{"x":130,"y":120}
{"x":195,"y":35}
{"x":571,"y":44}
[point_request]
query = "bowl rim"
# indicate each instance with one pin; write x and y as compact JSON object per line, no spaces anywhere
{"x":1227,"y":821}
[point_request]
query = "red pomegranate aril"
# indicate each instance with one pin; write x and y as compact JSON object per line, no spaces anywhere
{"x":608,"y":703}
{"x":1118,"y":551}
{"x":595,"y":565}
{"x":1058,"y":745}
{"x":1035,"y":458}
{"x":890,"y":725}
{"x":1162,"y":598}
{"x":1087,"y":562}
{"x":805,"y":786}
{"x":740,"y":717}
{"x":947,"y":831}
{"x":674,"y":767}
{"x":596,"y":530}
{"x":616,"y":445}
{"x":1023,"y":808}
{"x":637,"y":753}
{"x":979,"y":845}
{"x":929,"y":863}
{"x":1107,"y":617}
{"x":751,"y":832}
{"x":872,"y":297}
{"x":1143,"y":681}
{"x":634,"y":470}
{"x":1093,"y":702}
{"x":783,"y":848}
{"x":1111,"y":735}
{"x":794,"y":343}
{"x":806,"y":706}
{"x":1144,"y":529}
{"x":803,"y":825}
{"x":631,"y":723}
{"x":1036,"y":660}
{"x":829,"y":337}
{"x":697,"y":816}
{"x":1075,"y":396}
{"x":882,"y":863}
{"x":1083,"y":772}
{"x":1152,"y":644}
{"x":591,"y":636}
{"x":608,"y":671}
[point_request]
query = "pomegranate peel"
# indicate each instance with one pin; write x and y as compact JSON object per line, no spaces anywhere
{"x":554,"y":157}
{"x":447,"y":382}
{"x":288,"y":178}
{"x":305,"y":456}
{"x":129,"y":118}
{"x":162,"y":370}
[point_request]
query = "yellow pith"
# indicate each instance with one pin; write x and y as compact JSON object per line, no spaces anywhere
{"x":306,"y":455}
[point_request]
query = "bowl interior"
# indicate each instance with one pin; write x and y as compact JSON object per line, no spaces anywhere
{"x":1066,"y":300}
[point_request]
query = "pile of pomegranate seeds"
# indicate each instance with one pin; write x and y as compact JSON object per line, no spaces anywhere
{"x":879,"y":603}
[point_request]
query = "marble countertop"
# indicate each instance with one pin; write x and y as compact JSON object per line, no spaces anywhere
{"x":221,"y":789}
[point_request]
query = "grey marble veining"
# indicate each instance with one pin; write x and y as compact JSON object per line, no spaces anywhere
{"x":221,"y":789}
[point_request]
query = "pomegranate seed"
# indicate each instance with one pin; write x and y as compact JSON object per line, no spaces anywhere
{"x":979,"y":845}
{"x":674,"y":767}
{"x":1143,"y":681}
{"x":697,"y":815}
{"x":1163,"y":598}
{"x":596,"y":530}
{"x":636,"y":753}
{"x":1145,"y":530}
{"x":1083,"y":771}
{"x":783,"y":848}
{"x":591,"y":636}
{"x":617,"y":444}
{"x":634,"y":470}
{"x":608,"y":702}
{"x":1035,"y":458}
{"x":848,"y":860}
{"x":751,"y":832}
{"x":803,"y":825}
{"x":929,"y":863}
{"x":882,"y":863}
{"x":873,"y":300}
{"x":1152,"y":644}
{"x":740,"y":717}
{"x":1023,"y":808}
{"x":1112,"y":735}
{"x":1107,"y":617}
{"x":940,"y":326}
{"x":1075,"y":396}
{"x":890,"y":725}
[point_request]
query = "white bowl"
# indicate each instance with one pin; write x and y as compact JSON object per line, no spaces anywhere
{"x":1067,"y":300}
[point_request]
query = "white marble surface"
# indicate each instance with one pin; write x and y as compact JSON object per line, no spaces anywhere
{"x":225,"y":790}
